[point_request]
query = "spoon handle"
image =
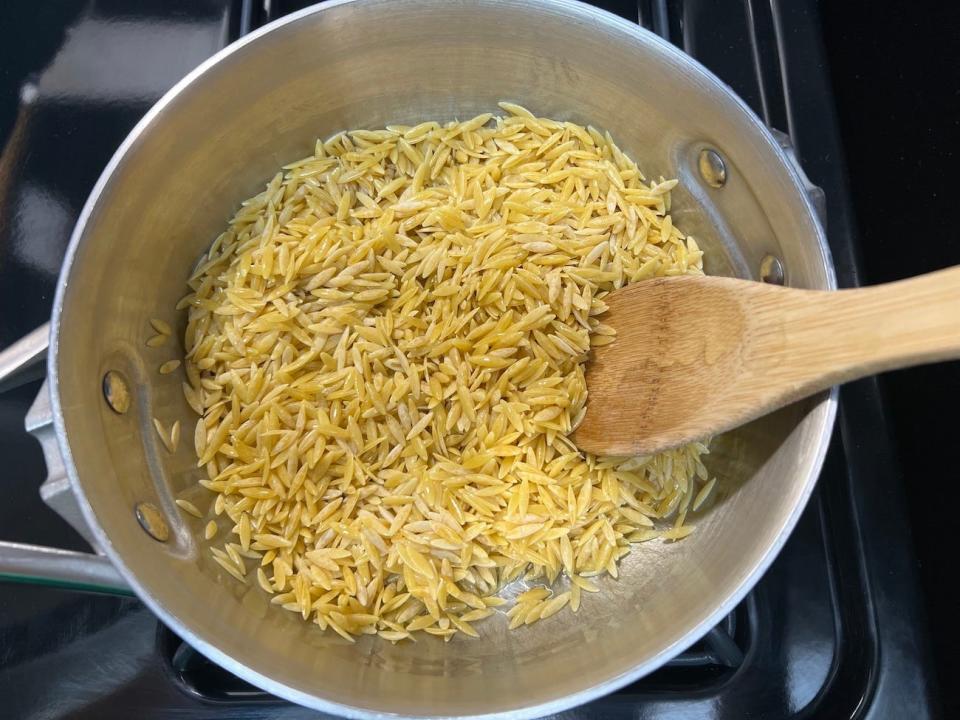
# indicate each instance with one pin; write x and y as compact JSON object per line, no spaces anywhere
{"x":827,"y":338}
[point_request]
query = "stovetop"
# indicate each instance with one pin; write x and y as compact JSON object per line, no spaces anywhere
{"x":834,"y":629}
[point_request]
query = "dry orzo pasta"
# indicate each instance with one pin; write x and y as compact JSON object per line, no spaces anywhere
{"x":387,"y":350}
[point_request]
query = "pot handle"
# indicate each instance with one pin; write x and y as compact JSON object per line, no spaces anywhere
{"x":35,"y":563}
{"x":25,"y":354}
{"x":814,"y":192}
{"x":39,"y":565}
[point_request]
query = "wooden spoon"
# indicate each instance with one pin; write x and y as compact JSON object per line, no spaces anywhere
{"x":695,"y":356}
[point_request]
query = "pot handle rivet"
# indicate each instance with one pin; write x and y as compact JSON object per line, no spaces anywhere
{"x":116,"y":392}
{"x":712,"y":168}
{"x":152,"y":521}
{"x":771,"y":270}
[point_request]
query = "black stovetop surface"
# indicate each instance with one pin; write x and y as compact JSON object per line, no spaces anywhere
{"x":834,"y":630}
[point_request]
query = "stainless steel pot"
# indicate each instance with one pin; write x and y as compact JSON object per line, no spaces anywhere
{"x":212,"y":141}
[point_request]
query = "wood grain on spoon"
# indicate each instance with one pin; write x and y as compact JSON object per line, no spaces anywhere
{"x":695,"y":356}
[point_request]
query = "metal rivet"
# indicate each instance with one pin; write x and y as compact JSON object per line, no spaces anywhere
{"x":152,"y":520}
{"x":771,"y":270}
{"x":712,"y":168}
{"x":116,"y":392}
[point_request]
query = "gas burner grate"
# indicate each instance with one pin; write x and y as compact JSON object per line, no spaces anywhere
{"x":710,"y":660}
